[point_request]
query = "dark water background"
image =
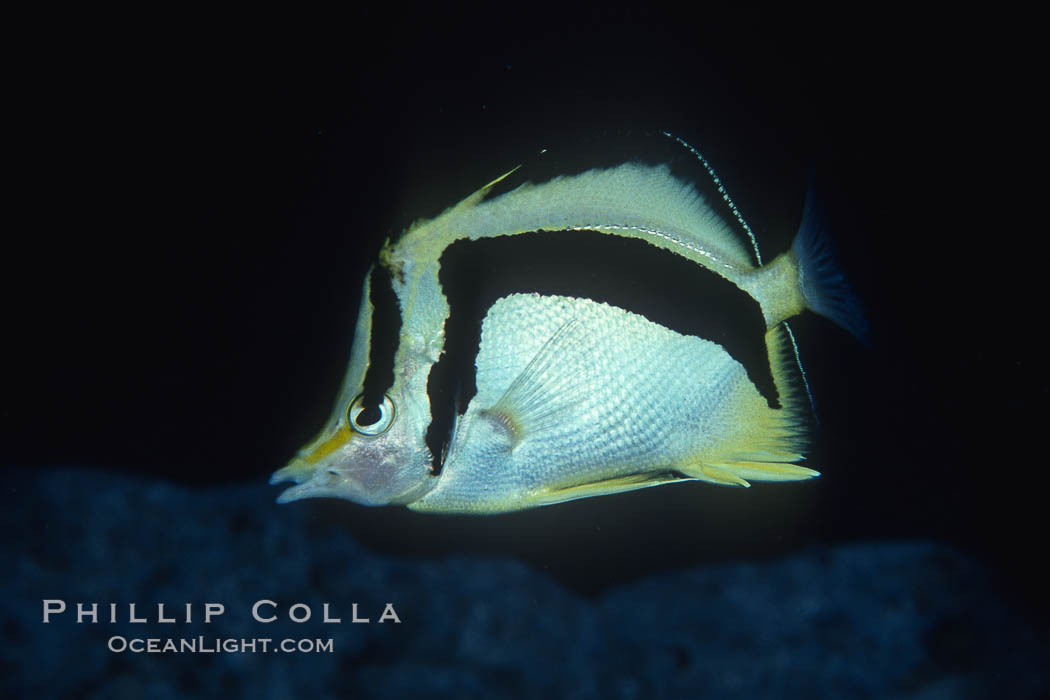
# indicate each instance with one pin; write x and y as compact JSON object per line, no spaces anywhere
{"x":203,"y":203}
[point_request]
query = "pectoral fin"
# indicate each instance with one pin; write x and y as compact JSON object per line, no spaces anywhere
{"x":546,"y":392}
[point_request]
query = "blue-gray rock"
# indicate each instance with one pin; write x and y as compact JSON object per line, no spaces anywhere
{"x":874,"y":620}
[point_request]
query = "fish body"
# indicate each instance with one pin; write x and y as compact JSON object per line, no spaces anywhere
{"x":574,"y":397}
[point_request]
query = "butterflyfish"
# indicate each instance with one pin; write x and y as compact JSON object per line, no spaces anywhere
{"x":538,"y":393}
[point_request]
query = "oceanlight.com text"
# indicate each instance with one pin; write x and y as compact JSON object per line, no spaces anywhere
{"x":217,"y":645}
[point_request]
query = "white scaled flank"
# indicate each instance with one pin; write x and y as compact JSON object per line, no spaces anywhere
{"x":572,"y":392}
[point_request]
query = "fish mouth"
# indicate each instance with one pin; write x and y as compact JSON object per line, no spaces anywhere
{"x":311,"y":482}
{"x":314,"y":481}
{"x":296,"y":493}
{"x":303,"y":469}
{"x":300,"y":472}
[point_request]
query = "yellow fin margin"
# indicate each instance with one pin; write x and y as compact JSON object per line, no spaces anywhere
{"x":769,"y":439}
{"x":602,"y":488}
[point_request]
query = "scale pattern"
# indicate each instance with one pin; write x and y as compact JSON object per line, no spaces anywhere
{"x":573,"y":392}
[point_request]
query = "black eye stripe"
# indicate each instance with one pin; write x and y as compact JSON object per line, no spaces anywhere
{"x":386,"y":333}
{"x":628,"y":273}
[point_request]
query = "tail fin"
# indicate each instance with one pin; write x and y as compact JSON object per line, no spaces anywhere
{"x":823,"y":285}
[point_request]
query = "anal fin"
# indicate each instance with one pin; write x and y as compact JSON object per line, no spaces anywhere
{"x":718,"y":475}
{"x":604,"y":487}
{"x":737,"y":473}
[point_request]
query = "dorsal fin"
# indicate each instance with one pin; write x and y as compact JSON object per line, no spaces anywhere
{"x":630,"y":200}
{"x":721,"y":190}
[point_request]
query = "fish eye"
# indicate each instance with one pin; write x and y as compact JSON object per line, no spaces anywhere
{"x":371,"y":420}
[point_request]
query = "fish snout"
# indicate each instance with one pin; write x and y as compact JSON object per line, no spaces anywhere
{"x":297,"y":470}
{"x":371,"y":478}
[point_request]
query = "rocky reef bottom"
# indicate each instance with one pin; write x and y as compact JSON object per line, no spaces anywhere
{"x":905,"y":619}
